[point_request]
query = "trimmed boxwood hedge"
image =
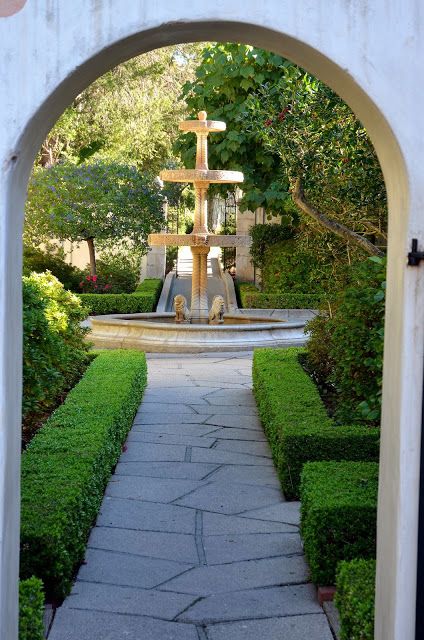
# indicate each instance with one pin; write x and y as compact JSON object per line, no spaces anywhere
{"x":296,"y":422}
{"x":251,"y":298}
{"x":31,"y":609}
{"x":67,"y":465}
{"x":143,"y":300}
{"x":355,"y":599}
{"x":338,"y":515}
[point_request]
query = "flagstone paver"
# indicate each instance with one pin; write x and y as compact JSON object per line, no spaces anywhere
{"x":194,"y":540}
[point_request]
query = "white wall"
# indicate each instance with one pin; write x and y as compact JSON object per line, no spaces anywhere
{"x":371,"y":53}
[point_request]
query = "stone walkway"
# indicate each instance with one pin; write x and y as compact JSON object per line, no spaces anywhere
{"x":194,"y":540}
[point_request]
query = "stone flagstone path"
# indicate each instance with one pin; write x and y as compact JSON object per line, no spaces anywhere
{"x":194,"y":540}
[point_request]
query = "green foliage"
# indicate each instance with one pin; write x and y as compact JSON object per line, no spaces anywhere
{"x":130,"y":114}
{"x":67,"y":465}
{"x":54,"y":350}
{"x":355,"y":598}
{"x":318,"y":139}
{"x":103,"y":201}
{"x":265,"y":236}
{"x":31,"y":609}
{"x":150,"y":286}
{"x":338,"y":515}
{"x":225,"y":78}
{"x":39,"y":261}
{"x":143,"y":300}
{"x":346,"y":348}
{"x":251,"y":298}
{"x":121,"y":270}
{"x":296,"y":422}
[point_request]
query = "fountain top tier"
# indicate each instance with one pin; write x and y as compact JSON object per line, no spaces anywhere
{"x":201,"y":177}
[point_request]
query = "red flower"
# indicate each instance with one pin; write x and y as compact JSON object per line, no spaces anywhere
{"x":94,"y":278}
{"x":88,"y":278}
{"x":268,"y":122}
{"x":281,"y":116}
{"x":81,"y":284}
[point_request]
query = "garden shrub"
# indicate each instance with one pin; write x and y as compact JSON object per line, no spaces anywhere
{"x":67,"y":465}
{"x":265,"y":236}
{"x":143,"y":300}
{"x":150,"y":286}
{"x":54,"y":350}
{"x":338,"y":514}
{"x":355,"y":599}
{"x":252,"y":298}
{"x":31,"y":609}
{"x":346,"y":348}
{"x":296,"y":422}
{"x":34,"y":259}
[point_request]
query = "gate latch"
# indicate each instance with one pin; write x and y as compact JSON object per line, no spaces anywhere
{"x":415,"y":256}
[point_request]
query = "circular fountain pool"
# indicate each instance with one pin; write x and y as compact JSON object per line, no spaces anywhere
{"x":158,"y":332}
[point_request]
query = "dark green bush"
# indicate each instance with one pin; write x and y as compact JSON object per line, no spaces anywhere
{"x":355,"y":599}
{"x":338,"y":515}
{"x":346,"y":347}
{"x":143,"y":300}
{"x":265,"y":236}
{"x":40,"y":261}
{"x":67,"y":465}
{"x":152,"y":286}
{"x":54,"y":350}
{"x":31,"y":609}
{"x":120,"y":271}
{"x":252,"y":298}
{"x":296,"y":422}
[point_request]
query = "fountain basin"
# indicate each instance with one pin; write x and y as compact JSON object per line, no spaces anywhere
{"x":158,"y":332}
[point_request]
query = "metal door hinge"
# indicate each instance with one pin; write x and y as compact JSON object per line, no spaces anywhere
{"x":415,"y":256}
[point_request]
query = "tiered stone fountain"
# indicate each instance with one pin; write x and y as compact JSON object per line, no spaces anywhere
{"x":200,"y":239}
{"x":159,"y":331}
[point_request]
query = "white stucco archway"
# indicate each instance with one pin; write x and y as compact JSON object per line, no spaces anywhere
{"x":370,"y":53}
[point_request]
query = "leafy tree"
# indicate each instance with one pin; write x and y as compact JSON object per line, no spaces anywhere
{"x":301,"y":148}
{"x":103,"y":202}
{"x":225,"y":78}
{"x":129,"y":115}
{"x":325,"y":155}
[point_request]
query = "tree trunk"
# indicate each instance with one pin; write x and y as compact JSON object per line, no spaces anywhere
{"x":336,"y":227}
{"x":92,"y":253}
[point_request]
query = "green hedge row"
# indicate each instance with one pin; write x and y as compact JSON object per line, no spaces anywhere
{"x":338,"y":515}
{"x":67,"y":465}
{"x":143,"y":300}
{"x":251,"y":298}
{"x":31,"y":609}
{"x":296,"y":422}
{"x":355,"y":599}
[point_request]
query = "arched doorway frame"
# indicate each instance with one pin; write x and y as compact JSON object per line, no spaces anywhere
{"x":398,"y":500}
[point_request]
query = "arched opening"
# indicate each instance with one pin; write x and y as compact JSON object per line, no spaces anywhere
{"x":393,"y":583}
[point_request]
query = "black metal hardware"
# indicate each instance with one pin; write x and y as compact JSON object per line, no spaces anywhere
{"x":415,"y":256}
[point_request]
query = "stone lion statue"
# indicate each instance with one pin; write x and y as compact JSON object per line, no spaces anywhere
{"x":216,"y":313}
{"x":182,"y":313}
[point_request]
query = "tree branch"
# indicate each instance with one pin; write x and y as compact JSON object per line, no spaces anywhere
{"x":335,"y":227}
